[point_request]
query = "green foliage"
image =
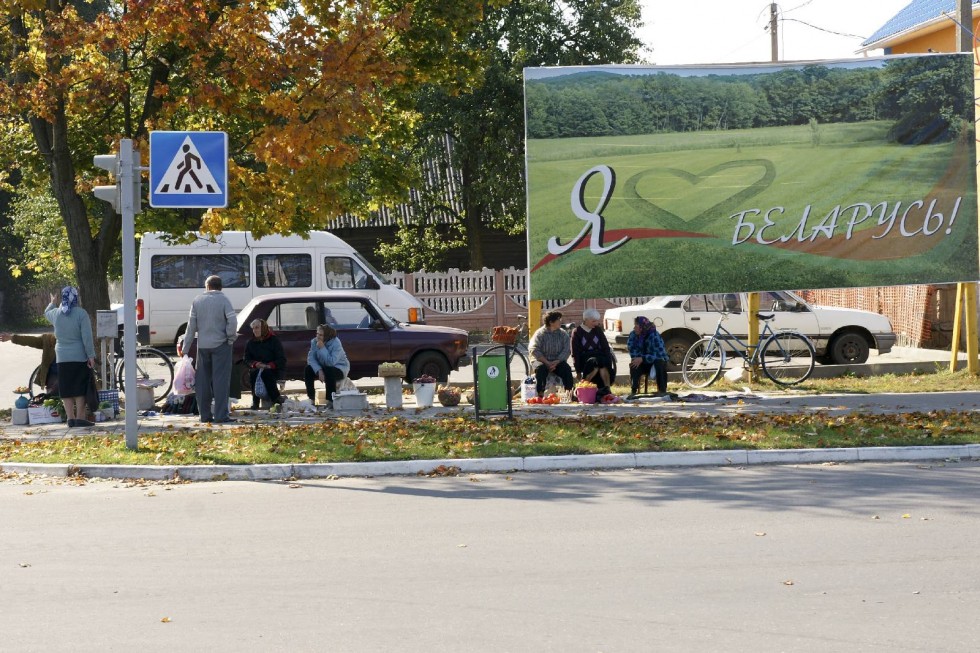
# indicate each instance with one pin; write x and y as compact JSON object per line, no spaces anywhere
{"x":930,"y":98}
{"x":45,"y":258}
{"x":666,"y":102}
{"x":483,"y":120}
{"x":421,"y":247}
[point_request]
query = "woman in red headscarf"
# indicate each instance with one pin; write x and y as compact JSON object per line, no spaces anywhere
{"x":265,"y":357}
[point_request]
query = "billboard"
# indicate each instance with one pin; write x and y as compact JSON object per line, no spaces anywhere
{"x":677,"y":180}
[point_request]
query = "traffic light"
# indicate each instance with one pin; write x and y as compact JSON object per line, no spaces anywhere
{"x":111,"y":194}
{"x":124,"y":196}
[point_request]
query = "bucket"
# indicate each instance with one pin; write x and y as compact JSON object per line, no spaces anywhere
{"x":586,"y":395}
{"x":144,"y":397}
{"x":529,"y":388}
{"x":424,"y":394}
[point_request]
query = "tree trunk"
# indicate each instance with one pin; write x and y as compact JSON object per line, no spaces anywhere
{"x":88,"y":254}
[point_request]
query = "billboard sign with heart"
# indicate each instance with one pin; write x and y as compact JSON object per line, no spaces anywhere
{"x":677,"y":180}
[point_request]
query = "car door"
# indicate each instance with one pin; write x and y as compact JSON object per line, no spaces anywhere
{"x":366,"y":339}
{"x":295,"y":322}
{"x":701,"y":313}
{"x":789,"y":313}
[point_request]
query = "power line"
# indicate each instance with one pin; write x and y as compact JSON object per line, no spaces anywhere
{"x":823,"y":29}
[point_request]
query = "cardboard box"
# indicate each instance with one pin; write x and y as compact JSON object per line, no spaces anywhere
{"x":18,"y":416}
{"x":42,"y":415}
{"x":350,"y":401}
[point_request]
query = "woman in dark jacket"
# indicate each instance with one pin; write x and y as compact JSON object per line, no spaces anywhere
{"x":591,"y":353}
{"x":264,"y":355}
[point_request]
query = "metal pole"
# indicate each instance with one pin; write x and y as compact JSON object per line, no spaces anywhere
{"x":129,"y":165}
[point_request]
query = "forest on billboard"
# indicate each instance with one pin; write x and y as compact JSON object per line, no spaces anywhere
{"x":676,"y":180}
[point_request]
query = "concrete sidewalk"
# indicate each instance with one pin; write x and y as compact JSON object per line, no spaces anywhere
{"x":687,"y":404}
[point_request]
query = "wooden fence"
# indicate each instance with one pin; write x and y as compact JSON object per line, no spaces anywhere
{"x":478,"y":300}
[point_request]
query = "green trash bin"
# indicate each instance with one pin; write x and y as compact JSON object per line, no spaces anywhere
{"x":492,"y":383}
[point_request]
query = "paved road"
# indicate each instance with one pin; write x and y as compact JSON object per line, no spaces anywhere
{"x":791,"y":558}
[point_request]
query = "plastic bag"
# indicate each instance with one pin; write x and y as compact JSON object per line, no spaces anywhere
{"x":260,"y":390}
{"x":184,"y":376}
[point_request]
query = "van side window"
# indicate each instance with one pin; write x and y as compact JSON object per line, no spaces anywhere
{"x":190,"y":270}
{"x":284,"y":270}
{"x":342,"y":272}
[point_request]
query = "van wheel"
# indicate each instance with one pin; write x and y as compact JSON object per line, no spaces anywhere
{"x":429,"y":362}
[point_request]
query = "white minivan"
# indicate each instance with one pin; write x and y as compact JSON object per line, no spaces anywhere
{"x":170,"y":276}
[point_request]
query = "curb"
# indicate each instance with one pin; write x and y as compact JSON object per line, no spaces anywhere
{"x":450,"y":466}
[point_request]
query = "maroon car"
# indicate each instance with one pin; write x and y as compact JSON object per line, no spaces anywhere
{"x":369,"y":335}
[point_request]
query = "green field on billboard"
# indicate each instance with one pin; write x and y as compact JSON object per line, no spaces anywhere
{"x":815,"y":205}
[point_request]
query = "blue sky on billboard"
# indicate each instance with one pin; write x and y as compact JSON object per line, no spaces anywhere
{"x":736,"y":31}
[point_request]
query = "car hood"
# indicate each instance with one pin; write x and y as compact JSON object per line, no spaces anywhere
{"x":832,"y":317}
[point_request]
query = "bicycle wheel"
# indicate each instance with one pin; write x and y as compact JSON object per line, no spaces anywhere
{"x":32,"y":381}
{"x":703,"y":363}
{"x":787,"y":358}
{"x":520,"y":368}
{"x":153,"y":368}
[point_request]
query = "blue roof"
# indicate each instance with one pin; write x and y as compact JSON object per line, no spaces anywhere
{"x":915,"y":13}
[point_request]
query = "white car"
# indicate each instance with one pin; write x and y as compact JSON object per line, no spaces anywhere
{"x":839,"y":335}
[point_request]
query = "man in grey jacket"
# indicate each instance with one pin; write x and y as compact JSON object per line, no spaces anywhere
{"x":214,"y":325}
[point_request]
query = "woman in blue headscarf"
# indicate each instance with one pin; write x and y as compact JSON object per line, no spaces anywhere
{"x":647,"y":351}
{"x":74,"y":353}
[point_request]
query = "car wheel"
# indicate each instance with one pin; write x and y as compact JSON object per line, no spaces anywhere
{"x":849,"y":348}
{"x":431,"y":363}
{"x":677,"y":346}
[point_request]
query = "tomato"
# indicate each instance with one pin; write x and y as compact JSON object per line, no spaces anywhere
{"x":534,"y":400}
{"x":551,"y":398}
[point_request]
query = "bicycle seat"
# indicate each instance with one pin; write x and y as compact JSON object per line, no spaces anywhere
{"x":765,"y":317}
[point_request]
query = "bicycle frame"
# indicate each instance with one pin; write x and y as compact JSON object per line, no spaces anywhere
{"x":729,"y":338}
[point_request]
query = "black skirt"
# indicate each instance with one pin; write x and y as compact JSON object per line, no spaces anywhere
{"x":73,"y":379}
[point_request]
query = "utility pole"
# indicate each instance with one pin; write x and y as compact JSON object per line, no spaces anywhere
{"x":964,"y":28}
{"x":774,"y":30}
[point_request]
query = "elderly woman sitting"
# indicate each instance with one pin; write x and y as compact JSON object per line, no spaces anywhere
{"x":591,"y":352}
{"x":550,"y":348}
{"x":265,"y":359}
{"x":327,"y":361}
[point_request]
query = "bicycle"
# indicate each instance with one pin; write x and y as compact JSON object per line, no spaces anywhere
{"x":786,"y":356}
{"x":154,"y":369}
{"x":515,"y":340}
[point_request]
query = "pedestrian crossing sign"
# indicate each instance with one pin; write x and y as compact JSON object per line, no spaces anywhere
{"x":188,"y":170}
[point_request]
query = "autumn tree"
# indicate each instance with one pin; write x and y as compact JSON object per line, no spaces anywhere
{"x":316,"y":98}
{"x":485,"y":124}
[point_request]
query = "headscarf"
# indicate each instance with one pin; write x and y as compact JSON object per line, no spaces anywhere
{"x":264,"y":330}
{"x":69,"y":299}
{"x":646,"y":327}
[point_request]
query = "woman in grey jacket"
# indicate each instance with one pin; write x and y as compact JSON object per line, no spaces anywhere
{"x":551,"y":347}
{"x":74,"y":351}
